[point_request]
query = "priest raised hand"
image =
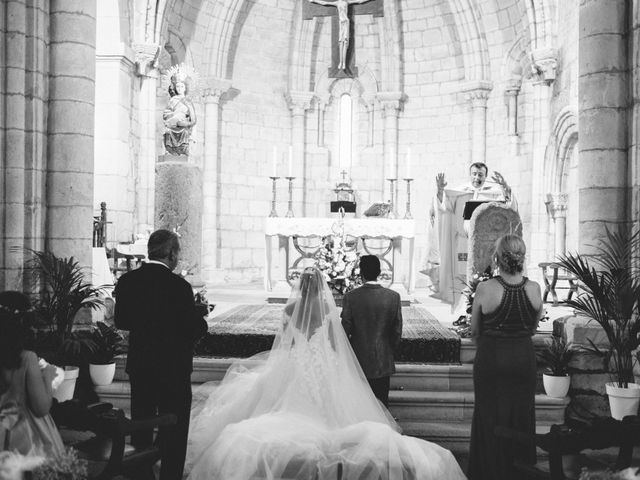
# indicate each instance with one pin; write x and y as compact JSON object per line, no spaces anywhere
{"x":449,"y":226}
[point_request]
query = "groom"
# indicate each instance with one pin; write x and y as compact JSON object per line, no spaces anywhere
{"x":372,"y":318}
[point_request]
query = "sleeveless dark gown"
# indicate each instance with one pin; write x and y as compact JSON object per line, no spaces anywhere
{"x":504,"y":378}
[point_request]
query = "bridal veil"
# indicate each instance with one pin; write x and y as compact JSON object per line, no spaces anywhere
{"x":304,"y":410}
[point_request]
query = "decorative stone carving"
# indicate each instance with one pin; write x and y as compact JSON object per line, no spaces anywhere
{"x":477,"y":92}
{"x":213,"y":89}
{"x":299,"y":102}
{"x":489,"y":222}
{"x":544,"y":62}
{"x":180,"y":115}
{"x":146,"y":58}
{"x":557,"y":204}
{"x":391,"y":102}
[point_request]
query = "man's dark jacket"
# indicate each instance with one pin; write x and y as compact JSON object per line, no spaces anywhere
{"x":372,"y":318}
{"x":158,"y":309}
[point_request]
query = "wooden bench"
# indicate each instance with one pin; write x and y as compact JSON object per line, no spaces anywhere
{"x":551,"y":274}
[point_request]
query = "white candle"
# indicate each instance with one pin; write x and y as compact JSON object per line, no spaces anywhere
{"x":290,"y":160}
{"x":274,"y":170}
{"x":391,"y":173}
{"x":408,"y":172}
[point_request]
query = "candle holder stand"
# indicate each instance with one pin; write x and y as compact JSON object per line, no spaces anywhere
{"x":290,"y":210}
{"x":407,"y":214}
{"x":273,"y":197}
{"x":392,"y":210}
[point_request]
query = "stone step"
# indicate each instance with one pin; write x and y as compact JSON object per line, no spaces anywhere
{"x":454,"y":436}
{"x":407,"y":406}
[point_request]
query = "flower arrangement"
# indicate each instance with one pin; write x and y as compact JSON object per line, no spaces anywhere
{"x":339,"y":264}
{"x":462,"y":326}
{"x":67,"y":465}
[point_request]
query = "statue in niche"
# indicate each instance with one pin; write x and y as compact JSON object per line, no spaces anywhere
{"x":180,"y":116}
{"x":344,"y":25}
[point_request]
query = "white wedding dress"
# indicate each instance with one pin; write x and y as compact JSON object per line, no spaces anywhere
{"x":304,"y":410}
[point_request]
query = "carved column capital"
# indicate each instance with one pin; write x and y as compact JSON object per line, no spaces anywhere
{"x":512,"y":88}
{"x":477,"y":92}
{"x":146,"y":58}
{"x":544,"y":63}
{"x":299,"y":102}
{"x":391,"y":102}
{"x":557,"y":204}
{"x":213,"y":89}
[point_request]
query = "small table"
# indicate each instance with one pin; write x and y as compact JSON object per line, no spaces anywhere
{"x":550,"y":285}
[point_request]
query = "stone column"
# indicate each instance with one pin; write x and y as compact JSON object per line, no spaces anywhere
{"x":146,"y":56}
{"x":213,"y":91}
{"x":557,"y":208}
{"x":634,"y":153}
{"x":299,"y":103}
{"x":511,"y":92}
{"x":391,"y":103}
{"x":70,"y":153}
{"x":544,"y":63}
{"x":477,"y":94}
{"x":602,"y":122}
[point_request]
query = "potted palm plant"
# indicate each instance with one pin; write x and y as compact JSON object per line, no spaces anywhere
{"x":556,"y":357}
{"x":108,"y":343}
{"x":611,"y":297}
{"x":63,"y":292}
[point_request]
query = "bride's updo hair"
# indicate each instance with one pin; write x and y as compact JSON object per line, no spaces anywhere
{"x":510,"y":253}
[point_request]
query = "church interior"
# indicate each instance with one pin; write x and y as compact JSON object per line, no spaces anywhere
{"x":267,"y":133}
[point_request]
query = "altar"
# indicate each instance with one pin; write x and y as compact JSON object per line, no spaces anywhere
{"x":291,"y":243}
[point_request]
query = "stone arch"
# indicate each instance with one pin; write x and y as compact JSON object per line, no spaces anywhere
{"x":564,"y":136}
{"x":472,"y":39}
{"x":540,"y":23}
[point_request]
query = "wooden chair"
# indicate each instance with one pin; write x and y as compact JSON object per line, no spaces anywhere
{"x":99,"y":432}
{"x":572,"y":439}
{"x":551,"y":274}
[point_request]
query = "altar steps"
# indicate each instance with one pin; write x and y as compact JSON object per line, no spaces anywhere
{"x":433,"y":402}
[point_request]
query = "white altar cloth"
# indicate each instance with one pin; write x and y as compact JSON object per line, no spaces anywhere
{"x":386,"y":228}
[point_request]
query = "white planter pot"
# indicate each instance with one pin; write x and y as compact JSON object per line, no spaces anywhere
{"x":623,"y":401}
{"x":65,"y":391}
{"x":102,"y":374}
{"x":556,"y":386}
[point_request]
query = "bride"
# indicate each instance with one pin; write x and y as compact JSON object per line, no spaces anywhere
{"x":304,"y":410}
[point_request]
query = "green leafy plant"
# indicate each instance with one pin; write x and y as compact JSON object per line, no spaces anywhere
{"x":611,"y":297}
{"x":556,"y":356}
{"x":108,"y":342}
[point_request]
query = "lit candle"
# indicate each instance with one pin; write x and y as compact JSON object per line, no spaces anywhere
{"x":274,"y":172}
{"x":408,"y":173}
{"x":290,"y":160}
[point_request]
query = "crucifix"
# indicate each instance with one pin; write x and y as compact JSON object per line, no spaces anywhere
{"x":341,"y":13}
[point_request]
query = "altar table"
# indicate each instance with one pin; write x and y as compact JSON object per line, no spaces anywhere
{"x":288,"y":230}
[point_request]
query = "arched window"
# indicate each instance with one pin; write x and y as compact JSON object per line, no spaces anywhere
{"x":345,"y":132}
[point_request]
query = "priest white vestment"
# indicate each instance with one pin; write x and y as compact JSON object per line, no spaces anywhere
{"x":452,"y":235}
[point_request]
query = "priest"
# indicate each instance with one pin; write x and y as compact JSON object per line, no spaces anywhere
{"x":452,"y":231}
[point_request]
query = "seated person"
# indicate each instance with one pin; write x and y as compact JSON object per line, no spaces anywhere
{"x":25,"y":388}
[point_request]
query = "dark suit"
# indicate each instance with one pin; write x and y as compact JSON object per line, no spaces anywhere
{"x":158,"y":309}
{"x":372,"y":318}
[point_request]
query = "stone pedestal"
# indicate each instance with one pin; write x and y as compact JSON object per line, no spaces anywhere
{"x":178,"y":202}
{"x":488,"y":223}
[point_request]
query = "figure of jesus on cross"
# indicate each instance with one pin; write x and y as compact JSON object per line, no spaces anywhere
{"x":343,"y":18}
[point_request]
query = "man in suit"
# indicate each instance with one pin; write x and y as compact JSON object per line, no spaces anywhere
{"x":372,"y":318}
{"x":158,"y":309}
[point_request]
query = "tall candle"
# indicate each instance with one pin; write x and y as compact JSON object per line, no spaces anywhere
{"x":290,"y":160}
{"x":274,"y":170}
{"x":391,"y":173}
{"x":408,"y":172}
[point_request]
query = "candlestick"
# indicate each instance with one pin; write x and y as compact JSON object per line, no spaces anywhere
{"x":290,"y":210}
{"x":407,"y":214}
{"x":273,"y":199}
{"x":392,"y":211}
{"x":274,"y":172}
{"x":290,"y":161}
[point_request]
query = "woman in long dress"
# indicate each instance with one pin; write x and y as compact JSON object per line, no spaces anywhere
{"x":304,"y":410}
{"x":506,"y":311}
